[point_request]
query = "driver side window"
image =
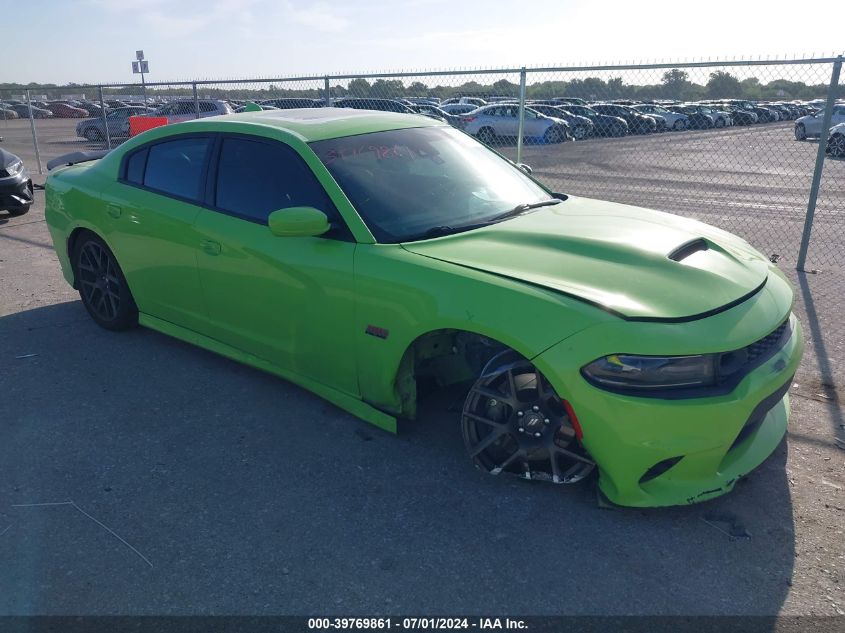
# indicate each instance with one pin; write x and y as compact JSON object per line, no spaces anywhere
{"x":257,"y":177}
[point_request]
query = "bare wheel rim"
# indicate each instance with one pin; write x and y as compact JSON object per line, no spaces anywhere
{"x":99,"y":281}
{"x":513,"y":422}
{"x":837,"y":145}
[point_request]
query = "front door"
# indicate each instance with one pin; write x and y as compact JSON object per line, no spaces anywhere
{"x":287,"y":300}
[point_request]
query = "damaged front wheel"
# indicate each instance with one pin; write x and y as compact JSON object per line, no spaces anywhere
{"x":514,"y":422}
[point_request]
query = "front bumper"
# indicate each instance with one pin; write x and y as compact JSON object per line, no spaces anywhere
{"x":718,"y":439}
{"x":16,"y":192}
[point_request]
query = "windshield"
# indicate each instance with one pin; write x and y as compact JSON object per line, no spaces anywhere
{"x":418,"y":182}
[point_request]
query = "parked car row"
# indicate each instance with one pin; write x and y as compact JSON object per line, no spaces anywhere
{"x":550,"y":120}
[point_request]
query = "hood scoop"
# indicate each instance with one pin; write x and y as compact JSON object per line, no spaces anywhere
{"x":689,"y":248}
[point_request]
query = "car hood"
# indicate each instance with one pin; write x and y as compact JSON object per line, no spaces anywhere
{"x":637,"y":263}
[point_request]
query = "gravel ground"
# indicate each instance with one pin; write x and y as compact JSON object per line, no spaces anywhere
{"x":228,"y":491}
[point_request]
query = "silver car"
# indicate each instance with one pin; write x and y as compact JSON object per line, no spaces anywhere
{"x":493,"y":122}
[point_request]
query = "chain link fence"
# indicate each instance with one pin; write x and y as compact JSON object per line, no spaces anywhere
{"x":737,"y":144}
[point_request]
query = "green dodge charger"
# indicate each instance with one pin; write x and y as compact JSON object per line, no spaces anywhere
{"x":374,"y":257}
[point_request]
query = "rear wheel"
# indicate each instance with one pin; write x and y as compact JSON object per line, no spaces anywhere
{"x":102,"y":286}
{"x":554,"y":135}
{"x":679,"y":125}
{"x":720,"y":122}
{"x":579,"y":133}
{"x":513,"y":422}
{"x":486,"y":135}
{"x":93,"y":134}
{"x":800,"y":132}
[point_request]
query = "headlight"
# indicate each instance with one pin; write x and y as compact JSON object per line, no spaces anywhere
{"x":15,"y":168}
{"x":625,"y":371}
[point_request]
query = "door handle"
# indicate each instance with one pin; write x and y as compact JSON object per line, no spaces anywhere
{"x":210,"y":247}
{"x":114,"y":211}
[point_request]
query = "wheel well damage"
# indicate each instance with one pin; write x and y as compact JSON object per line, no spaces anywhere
{"x":439,"y":359}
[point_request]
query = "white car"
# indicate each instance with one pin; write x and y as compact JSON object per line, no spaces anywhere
{"x":836,"y":141}
{"x":492,"y":122}
{"x":186,"y":109}
{"x":811,"y":125}
{"x":674,"y":120}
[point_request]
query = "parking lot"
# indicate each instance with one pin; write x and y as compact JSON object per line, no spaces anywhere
{"x":225,"y":490}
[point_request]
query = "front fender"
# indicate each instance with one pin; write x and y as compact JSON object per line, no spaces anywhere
{"x":402,"y":296}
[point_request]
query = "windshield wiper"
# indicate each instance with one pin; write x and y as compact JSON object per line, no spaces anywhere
{"x":522,"y":208}
{"x":445,"y":229}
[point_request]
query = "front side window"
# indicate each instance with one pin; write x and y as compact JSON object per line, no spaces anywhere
{"x":176,"y":167}
{"x":419,"y":182}
{"x":255,"y":178}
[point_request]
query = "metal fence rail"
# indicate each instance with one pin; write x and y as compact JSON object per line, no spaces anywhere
{"x":716,"y":141}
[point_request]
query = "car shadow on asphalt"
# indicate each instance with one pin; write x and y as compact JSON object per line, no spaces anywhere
{"x":249,"y":495}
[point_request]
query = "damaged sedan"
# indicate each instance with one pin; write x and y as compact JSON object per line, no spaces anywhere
{"x":373,"y":257}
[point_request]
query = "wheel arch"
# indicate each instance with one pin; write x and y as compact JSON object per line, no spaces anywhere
{"x":441,"y":357}
{"x":73,"y":239}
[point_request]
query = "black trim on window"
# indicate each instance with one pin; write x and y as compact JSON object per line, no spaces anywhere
{"x":147,"y":146}
{"x":339,"y":230}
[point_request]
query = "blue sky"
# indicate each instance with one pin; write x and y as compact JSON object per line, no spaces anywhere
{"x":95,"y":40}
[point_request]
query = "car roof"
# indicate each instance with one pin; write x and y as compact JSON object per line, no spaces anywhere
{"x":317,"y":124}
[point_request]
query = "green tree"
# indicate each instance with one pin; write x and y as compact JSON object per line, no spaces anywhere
{"x":359,"y":87}
{"x":676,"y":84}
{"x":722,"y":85}
{"x":750,"y":88}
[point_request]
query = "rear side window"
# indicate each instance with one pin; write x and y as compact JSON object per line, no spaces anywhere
{"x":207,"y":106}
{"x":176,"y":167}
{"x":255,"y":178}
{"x":135,"y":166}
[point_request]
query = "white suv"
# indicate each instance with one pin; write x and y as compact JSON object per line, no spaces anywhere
{"x":186,"y":109}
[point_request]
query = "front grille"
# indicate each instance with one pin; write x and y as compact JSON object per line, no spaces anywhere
{"x":734,"y":365}
{"x":768,"y":344}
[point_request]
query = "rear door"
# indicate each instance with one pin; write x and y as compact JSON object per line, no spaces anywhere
{"x":151,"y":217}
{"x":287,"y":300}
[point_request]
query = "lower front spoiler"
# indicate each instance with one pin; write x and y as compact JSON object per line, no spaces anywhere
{"x":767,"y":428}
{"x":16,"y":194}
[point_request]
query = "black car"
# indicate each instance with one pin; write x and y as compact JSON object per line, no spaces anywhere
{"x":603,"y":125}
{"x":740,"y":116}
{"x":638,"y":123}
{"x":580,"y":127}
{"x":15,"y":185}
{"x":384,"y":105}
{"x":289,"y":103}
{"x":764,"y":115}
{"x":432,"y":111}
{"x":697,"y":119}
{"x":37,"y":113}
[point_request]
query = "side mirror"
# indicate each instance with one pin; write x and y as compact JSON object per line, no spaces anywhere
{"x":298,"y":222}
{"x":526,"y":168}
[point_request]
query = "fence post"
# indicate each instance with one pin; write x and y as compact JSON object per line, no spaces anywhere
{"x":34,"y":135}
{"x":196,"y":100}
{"x":521,"y":115}
{"x":328,"y":93}
{"x":817,"y":172}
{"x":105,"y":120}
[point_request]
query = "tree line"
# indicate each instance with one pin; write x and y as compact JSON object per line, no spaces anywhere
{"x":674,"y":84}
